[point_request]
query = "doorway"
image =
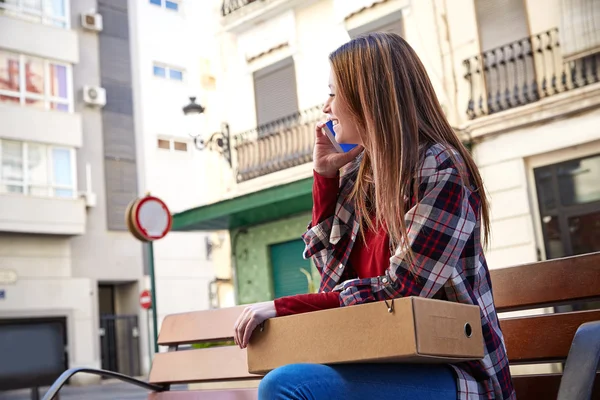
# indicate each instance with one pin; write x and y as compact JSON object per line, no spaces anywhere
{"x":569,"y":204}
{"x":119,"y":330}
{"x":287,"y":264}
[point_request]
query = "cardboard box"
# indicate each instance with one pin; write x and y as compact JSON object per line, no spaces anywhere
{"x":418,"y":330}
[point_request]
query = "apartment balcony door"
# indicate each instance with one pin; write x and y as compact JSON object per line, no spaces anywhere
{"x":569,"y":203}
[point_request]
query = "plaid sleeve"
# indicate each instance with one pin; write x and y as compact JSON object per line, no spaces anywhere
{"x":439,"y":226}
{"x":317,"y":243}
{"x":320,"y":237}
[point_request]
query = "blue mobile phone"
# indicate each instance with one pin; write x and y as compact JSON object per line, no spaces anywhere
{"x":340,"y":147}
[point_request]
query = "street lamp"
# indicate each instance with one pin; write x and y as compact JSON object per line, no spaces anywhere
{"x":218,"y":141}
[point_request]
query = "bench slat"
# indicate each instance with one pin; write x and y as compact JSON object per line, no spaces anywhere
{"x":200,"y":365}
{"x":536,"y":387}
{"x":547,"y":283}
{"x":228,"y":394}
{"x":199,"y":326}
{"x":543,"y":338}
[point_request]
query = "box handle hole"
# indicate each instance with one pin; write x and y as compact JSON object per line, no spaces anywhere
{"x":468,"y":330}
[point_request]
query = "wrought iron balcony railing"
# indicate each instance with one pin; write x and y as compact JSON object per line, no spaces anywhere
{"x":523,"y":72}
{"x":278,"y":145}
{"x":230,"y":6}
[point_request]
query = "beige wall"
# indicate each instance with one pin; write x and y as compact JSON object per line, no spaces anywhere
{"x":38,"y":39}
{"x":182,"y":273}
{"x":444,"y":33}
{"x":44,"y":287}
{"x":182,"y":179}
{"x":43,"y":215}
{"x":543,"y":15}
{"x":507,"y":161}
{"x":43,"y":126}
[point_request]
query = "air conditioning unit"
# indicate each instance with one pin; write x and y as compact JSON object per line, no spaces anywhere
{"x":91,"y":21}
{"x":94,"y":96}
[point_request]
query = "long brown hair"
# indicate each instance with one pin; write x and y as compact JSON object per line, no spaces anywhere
{"x":394,"y":106}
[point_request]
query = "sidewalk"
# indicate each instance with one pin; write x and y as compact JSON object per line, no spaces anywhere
{"x":108,"y":390}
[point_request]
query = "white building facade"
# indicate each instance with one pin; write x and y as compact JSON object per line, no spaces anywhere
{"x":91,"y":98}
{"x":518,"y":79}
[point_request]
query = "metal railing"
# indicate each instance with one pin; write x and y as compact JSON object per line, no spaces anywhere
{"x":230,"y":6}
{"x":278,"y":145}
{"x":524,"y":72}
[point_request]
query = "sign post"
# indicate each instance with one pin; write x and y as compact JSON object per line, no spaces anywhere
{"x":148,"y":219}
{"x":153,"y":293}
{"x":146,"y":304}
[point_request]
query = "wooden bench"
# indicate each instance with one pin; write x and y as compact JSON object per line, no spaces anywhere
{"x":533,"y":339}
{"x":552,"y":337}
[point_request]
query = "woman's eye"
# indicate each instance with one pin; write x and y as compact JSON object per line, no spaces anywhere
{"x":331,"y":95}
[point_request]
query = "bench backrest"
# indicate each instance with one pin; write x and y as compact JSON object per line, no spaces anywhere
{"x":533,"y":339}
{"x":545,"y":338}
{"x":218,"y":363}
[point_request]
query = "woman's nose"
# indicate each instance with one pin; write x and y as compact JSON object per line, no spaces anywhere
{"x":327,"y":107}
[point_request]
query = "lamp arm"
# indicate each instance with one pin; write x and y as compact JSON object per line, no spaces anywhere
{"x":220,"y":140}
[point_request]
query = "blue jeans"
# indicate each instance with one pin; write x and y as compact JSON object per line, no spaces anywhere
{"x":359,"y":381}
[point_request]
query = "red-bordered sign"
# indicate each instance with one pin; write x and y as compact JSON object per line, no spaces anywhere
{"x":146,"y":300}
{"x":148,"y":218}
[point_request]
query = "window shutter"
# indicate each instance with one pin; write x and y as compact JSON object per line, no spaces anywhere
{"x":394,"y":27}
{"x":391,"y":23}
{"x":579,"y":28}
{"x":275,"y":91}
{"x":500,"y":22}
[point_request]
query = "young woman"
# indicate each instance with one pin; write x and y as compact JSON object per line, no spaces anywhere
{"x":406,"y":218}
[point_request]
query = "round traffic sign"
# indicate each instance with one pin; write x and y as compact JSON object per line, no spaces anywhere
{"x":148,"y":218}
{"x":146,"y":300}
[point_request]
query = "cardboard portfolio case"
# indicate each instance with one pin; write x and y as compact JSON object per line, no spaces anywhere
{"x":411,"y":330}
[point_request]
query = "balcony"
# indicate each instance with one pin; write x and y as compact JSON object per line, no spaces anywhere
{"x":230,"y":6}
{"x":281,"y":144}
{"x":524,"y":72}
{"x":42,"y":215}
{"x":243,"y":15}
{"x":39,"y":40}
{"x":41,"y":126}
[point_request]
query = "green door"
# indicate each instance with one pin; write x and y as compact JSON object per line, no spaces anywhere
{"x":286,"y":262}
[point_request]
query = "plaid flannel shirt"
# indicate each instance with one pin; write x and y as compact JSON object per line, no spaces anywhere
{"x":444,"y":229}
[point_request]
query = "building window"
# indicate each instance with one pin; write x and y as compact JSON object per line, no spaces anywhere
{"x":391,"y":23}
{"x":579,"y":29}
{"x":275,"y":91}
{"x":167,"y":72}
{"x":161,"y":72}
{"x":164,"y":144}
{"x":49,"y":12}
{"x":35,"y":82}
{"x":569,"y":202}
{"x":172,"y":145}
{"x":168,"y":4}
{"x":179,"y":146}
{"x":37,"y":169}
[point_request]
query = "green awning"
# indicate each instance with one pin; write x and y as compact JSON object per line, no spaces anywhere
{"x":250,"y":209}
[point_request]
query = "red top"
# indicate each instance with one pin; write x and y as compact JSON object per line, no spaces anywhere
{"x":365,"y":261}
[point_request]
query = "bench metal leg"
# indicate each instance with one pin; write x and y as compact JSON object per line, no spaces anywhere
{"x":65,"y":376}
{"x":580,"y":369}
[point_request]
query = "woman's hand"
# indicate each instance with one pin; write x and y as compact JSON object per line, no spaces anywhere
{"x":327,"y":161}
{"x":251,"y":317}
